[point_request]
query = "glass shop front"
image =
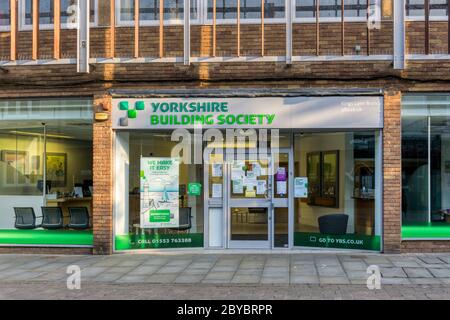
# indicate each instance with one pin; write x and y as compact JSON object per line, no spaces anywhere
{"x":273,"y":173}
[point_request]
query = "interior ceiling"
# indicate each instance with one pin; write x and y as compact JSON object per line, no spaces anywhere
{"x":60,"y":129}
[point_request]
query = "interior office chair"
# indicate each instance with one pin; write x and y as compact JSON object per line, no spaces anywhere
{"x":52,"y":218}
{"x":185,"y":219}
{"x":333,"y":223}
{"x":25,"y":218}
{"x":79,"y":218}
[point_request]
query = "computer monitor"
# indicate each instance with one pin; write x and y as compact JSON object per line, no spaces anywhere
{"x":86,"y":187}
{"x":40,"y":185}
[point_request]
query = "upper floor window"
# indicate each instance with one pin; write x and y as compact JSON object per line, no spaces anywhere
{"x":46,"y":13}
{"x":249,"y":9}
{"x":416,"y":8}
{"x":4,"y":15}
{"x":149,"y":11}
{"x":332,"y":8}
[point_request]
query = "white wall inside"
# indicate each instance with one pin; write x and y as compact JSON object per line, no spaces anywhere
{"x":309,"y":214}
{"x":121,"y":183}
{"x":7,"y":204}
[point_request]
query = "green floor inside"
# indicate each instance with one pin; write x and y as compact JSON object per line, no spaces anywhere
{"x":47,"y":237}
{"x":437,"y":230}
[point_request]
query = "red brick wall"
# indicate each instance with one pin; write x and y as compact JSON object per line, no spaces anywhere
{"x":304,"y":40}
{"x":426,"y":246}
{"x":44,"y":250}
{"x":102,"y":176}
{"x":392,"y":172}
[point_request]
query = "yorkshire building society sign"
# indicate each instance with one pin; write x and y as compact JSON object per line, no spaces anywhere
{"x":266,"y":112}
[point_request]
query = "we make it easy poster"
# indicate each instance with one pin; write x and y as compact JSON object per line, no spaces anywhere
{"x":159,"y":192}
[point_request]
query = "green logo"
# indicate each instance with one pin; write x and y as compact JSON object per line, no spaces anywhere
{"x":194,"y":189}
{"x":132,"y":111}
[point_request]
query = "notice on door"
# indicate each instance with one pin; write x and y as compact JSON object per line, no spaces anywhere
{"x":301,"y":187}
{"x":159,"y":192}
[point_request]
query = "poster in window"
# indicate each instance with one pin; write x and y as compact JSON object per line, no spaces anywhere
{"x":159,"y":192}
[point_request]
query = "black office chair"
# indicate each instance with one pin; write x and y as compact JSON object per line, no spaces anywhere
{"x":52,"y":218}
{"x":79,"y":218}
{"x":184,"y":219}
{"x":333,"y":223}
{"x":25,"y":218}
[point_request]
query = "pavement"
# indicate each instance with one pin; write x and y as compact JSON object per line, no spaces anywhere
{"x":204,"y":275}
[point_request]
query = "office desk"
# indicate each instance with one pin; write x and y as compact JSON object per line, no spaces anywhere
{"x":65,"y":203}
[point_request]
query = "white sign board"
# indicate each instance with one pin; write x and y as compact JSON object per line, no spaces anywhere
{"x":332,"y":112}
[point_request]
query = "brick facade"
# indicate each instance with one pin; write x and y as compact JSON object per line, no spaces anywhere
{"x":62,"y":80}
{"x":392,"y":192}
{"x":103,"y":179}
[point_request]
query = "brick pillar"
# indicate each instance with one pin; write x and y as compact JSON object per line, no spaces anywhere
{"x":392,"y":191}
{"x":102,"y":173}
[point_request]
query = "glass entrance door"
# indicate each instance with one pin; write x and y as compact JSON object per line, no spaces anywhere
{"x":259,"y":193}
{"x":281,"y":198}
{"x":249,"y":202}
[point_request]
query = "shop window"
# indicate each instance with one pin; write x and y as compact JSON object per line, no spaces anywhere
{"x":46,"y":13}
{"x":342,"y":208}
{"x":415,"y":9}
{"x":164,"y":196}
{"x":149,"y":12}
{"x":426,"y":167}
{"x":249,"y":9}
{"x":45,"y":161}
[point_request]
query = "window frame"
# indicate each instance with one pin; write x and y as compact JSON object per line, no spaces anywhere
{"x":208,"y":21}
{"x":152,"y":23}
{"x":409,"y":18}
{"x":7,"y":27}
{"x":323,"y":19}
{"x":46,"y":26}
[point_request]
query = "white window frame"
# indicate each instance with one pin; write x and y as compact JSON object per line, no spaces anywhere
{"x":295,"y":19}
{"x":148,"y":23}
{"x":208,"y":21}
{"x":323,"y":19}
{"x":26,"y":27}
{"x":422,"y":17}
{"x":7,"y":27}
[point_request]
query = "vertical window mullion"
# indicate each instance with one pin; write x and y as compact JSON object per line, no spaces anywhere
{"x":429,"y":169}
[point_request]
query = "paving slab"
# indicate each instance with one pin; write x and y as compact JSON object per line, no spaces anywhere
{"x":219,"y":275}
{"x":394,"y":281}
{"x":189,"y":279}
{"x":333,"y":280}
{"x":417,"y":273}
{"x":330,"y":271}
{"x":161,"y":278}
{"x":131,"y":279}
{"x":354,"y":265}
{"x":425,"y":280}
{"x":245,"y":279}
{"x":301,"y":279}
{"x":275,"y":280}
{"x":440,"y":273}
{"x":430,"y":260}
{"x":393,"y":273}
{"x":405,"y":263}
